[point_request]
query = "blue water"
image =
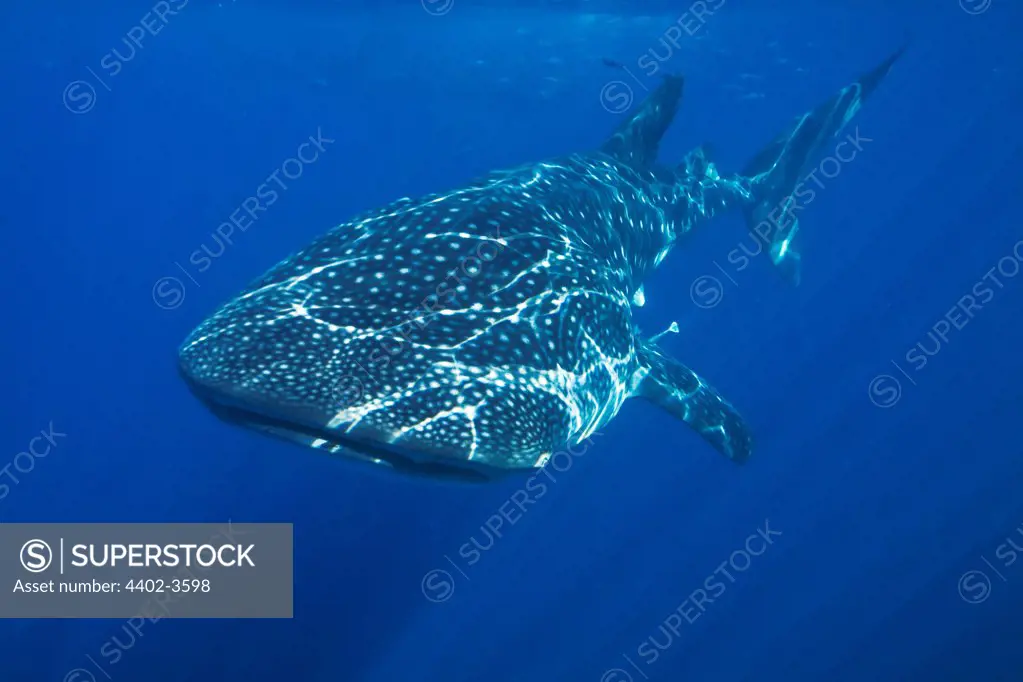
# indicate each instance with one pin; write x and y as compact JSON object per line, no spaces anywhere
{"x":876,"y":512}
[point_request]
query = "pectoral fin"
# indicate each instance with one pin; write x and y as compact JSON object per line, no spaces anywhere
{"x":680,"y":391}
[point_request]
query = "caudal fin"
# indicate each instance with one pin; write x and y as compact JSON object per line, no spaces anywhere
{"x":776,"y":171}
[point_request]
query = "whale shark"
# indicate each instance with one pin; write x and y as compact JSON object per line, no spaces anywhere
{"x":471,"y":333}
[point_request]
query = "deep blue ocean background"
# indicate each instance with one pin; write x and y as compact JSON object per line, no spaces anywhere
{"x":882,"y":510}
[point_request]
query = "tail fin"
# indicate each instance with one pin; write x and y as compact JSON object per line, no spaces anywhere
{"x":775,"y":172}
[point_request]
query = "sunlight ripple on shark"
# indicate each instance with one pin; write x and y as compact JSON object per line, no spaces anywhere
{"x":474,"y":332}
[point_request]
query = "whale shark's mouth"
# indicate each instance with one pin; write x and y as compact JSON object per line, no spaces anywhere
{"x":297,"y":425}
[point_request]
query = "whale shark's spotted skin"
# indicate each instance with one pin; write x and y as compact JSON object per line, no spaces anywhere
{"x":492,"y":323}
{"x":479,"y":329}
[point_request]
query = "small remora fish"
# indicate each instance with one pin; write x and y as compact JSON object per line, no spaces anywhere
{"x":474,"y":332}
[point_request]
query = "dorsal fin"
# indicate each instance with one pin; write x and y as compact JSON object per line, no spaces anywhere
{"x":636,"y":139}
{"x":697,"y":162}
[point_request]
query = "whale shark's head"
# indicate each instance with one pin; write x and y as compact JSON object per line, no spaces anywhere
{"x":282,"y":377}
{"x":304,"y":374}
{"x":404,"y":341}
